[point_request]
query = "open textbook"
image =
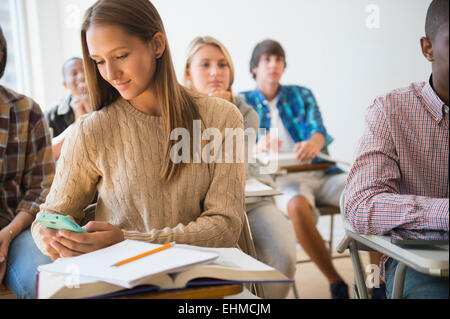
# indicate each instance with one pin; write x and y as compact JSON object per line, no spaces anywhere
{"x":227,"y":264}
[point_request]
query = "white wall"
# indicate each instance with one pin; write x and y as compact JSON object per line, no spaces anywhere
{"x":329,"y":47}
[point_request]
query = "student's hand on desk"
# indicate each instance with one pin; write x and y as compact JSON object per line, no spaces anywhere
{"x":100,"y":235}
{"x":306,"y":151}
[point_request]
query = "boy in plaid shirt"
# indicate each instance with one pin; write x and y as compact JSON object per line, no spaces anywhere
{"x":398,"y":184}
{"x":26,"y":173}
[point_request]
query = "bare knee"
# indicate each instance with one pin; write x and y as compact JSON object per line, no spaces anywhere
{"x":297,"y":207}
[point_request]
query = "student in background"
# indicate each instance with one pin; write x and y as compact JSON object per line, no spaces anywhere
{"x":295,"y":113}
{"x":398,"y":184}
{"x":62,"y":116}
{"x":26,"y":172}
{"x":209,"y":70}
{"x":124,"y":148}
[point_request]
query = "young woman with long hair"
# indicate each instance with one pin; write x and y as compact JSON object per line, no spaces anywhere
{"x":209,"y":70}
{"x":124,"y":151}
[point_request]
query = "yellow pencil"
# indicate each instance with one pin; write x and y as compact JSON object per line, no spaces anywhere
{"x":163,"y":247}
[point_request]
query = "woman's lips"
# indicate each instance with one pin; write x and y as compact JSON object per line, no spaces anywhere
{"x":216,"y":83}
{"x":122,"y":85}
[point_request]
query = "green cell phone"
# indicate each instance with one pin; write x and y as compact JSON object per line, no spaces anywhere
{"x":57,"y":221}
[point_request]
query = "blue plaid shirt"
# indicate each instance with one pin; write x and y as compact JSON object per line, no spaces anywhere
{"x":298,"y":110}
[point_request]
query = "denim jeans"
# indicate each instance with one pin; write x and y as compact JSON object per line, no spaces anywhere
{"x":417,"y":285}
{"x":23,"y":259}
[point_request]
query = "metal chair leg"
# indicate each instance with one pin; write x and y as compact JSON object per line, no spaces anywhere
{"x":359,"y":274}
{"x":355,"y":292}
{"x":399,"y":281}
{"x":294,"y":290}
{"x":331,"y":234}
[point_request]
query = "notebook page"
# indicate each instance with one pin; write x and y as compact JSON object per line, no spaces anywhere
{"x":98,"y":264}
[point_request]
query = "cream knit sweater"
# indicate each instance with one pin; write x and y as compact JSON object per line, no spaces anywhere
{"x":118,"y":152}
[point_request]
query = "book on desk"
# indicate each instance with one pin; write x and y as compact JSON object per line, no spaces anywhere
{"x":288,"y":161}
{"x":254,"y":188}
{"x":181,"y":266}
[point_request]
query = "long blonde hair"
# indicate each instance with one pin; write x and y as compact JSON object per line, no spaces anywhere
{"x":140,"y":18}
{"x":197,"y":44}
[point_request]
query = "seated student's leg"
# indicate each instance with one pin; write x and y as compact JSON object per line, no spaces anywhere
{"x":23,"y":259}
{"x":304,"y":216}
{"x":329,"y":193}
{"x":308,"y":236}
{"x":275,"y":245}
{"x":417,"y":285}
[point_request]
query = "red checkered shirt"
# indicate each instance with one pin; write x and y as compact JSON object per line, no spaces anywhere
{"x":26,"y":158}
{"x":398,"y":184}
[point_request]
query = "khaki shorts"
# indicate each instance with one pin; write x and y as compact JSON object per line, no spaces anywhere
{"x":315,"y":186}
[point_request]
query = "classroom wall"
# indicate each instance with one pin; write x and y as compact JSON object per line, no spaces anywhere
{"x":346,"y":51}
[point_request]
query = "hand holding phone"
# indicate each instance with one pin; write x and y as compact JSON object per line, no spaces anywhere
{"x":57,"y":221}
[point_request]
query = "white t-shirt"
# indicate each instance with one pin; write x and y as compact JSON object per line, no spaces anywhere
{"x":277,"y":122}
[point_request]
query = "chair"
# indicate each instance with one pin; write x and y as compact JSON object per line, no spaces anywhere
{"x":426,"y":259}
{"x":246,"y":244}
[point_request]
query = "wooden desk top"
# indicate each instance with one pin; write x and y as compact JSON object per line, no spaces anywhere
{"x":203,"y":292}
{"x":308,"y":167}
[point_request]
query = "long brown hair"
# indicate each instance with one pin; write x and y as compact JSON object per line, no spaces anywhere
{"x":140,"y":18}
{"x":3,"y":52}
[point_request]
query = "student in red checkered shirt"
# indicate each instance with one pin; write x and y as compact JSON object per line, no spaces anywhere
{"x":26,"y":173}
{"x":398,"y":184}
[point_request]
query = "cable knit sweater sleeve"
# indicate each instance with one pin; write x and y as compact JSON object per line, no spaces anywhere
{"x":75,"y":180}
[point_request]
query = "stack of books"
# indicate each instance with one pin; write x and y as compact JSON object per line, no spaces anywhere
{"x":115,"y":270}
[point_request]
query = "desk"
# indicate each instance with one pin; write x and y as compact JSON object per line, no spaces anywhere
{"x":204,"y":292}
{"x":432,"y":260}
{"x":307,"y":167}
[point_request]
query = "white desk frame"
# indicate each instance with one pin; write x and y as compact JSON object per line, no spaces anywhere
{"x":430,"y":260}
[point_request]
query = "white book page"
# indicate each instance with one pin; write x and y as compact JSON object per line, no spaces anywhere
{"x":253,"y":185}
{"x":281,"y":157}
{"x":99,"y":264}
{"x":235,"y":258}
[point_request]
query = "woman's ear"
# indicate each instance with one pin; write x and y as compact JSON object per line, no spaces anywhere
{"x":159,"y":44}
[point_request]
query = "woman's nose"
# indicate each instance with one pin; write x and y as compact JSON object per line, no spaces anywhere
{"x":215,"y":70}
{"x":111,"y":72}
